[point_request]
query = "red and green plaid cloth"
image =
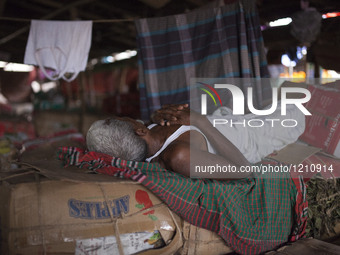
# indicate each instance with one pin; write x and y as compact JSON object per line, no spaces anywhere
{"x":252,"y":215}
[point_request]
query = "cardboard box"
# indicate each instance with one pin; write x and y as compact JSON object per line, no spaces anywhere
{"x":200,"y":241}
{"x":74,"y":190}
{"x":52,"y":216}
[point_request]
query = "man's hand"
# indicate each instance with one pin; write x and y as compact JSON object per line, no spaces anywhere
{"x":172,"y":114}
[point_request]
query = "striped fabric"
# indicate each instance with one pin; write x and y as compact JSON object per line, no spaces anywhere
{"x":252,"y":215}
{"x":219,"y":42}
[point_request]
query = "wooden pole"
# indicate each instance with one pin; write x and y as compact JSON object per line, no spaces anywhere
{"x":81,"y":82}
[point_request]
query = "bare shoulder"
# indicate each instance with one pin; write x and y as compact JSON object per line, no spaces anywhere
{"x":176,"y":156}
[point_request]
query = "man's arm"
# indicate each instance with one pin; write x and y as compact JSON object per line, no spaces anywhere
{"x":192,"y":162}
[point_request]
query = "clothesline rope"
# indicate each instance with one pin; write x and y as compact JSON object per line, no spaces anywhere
{"x":94,"y":21}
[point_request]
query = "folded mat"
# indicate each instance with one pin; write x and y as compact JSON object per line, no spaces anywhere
{"x":252,"y":215}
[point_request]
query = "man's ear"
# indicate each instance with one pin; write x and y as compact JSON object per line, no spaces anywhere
{"x":142,"y":131}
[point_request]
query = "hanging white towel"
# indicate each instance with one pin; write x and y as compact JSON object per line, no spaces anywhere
{"x":59,"y":45}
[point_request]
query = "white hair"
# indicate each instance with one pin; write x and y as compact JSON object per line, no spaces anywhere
{"x":116,"y":138}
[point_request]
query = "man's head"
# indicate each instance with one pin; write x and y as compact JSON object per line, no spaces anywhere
{"x":116,"y":137}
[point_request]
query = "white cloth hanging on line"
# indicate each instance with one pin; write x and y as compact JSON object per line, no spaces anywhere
{"x":59,"y":45}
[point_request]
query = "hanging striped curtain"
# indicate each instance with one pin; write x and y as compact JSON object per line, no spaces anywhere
{"x":220,"y":42}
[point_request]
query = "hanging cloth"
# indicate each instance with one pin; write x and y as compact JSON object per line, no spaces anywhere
{"x":220,"y":42}
{"x":59,"y":45}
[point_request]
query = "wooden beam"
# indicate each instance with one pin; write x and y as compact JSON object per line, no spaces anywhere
{"x":155,"y":4}
{"x":128,"y":28}
{"x":29,"y":8}
{"x":90,"y":15}
{"x":58,"y":5}
{"x":46,"y":17}
{"x":117,"y":10}
{"x":198,"y":3}
{"x":49,"y":3}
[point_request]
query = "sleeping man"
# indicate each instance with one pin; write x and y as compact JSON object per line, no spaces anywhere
{"x":252,"y":214}
{"x":180,"y":137}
